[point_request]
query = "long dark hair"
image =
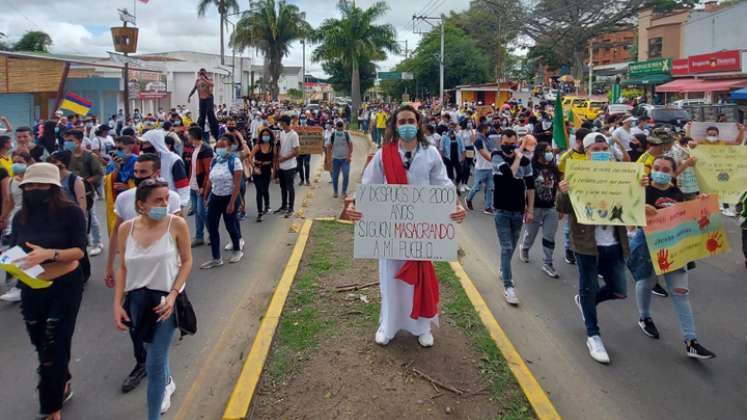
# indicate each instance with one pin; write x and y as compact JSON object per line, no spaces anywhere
{"x":57,"y":201}
{"x":391,"y":135}
{"x":272,"y":137}
{"x":49,"y":138}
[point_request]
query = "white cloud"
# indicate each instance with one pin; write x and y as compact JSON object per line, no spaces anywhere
{"x":167,"y":25}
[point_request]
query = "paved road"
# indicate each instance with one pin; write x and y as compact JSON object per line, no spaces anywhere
{"x":648,"y":379}
{"x":231,"y":298}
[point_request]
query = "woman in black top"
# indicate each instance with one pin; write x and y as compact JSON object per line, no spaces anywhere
{"x":263,"y":157}
{"x":50,"y":313}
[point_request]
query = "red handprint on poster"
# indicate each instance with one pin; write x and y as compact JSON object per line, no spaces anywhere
{"x":663,"y":259}
{"x":714,"y":242}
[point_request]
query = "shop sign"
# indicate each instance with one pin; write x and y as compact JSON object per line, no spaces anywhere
{"x":647,"y":68}
{"x":680,"y":67}
{"x":721,"y":61}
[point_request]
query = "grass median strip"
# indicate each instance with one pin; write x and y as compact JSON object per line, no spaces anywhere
{"x":323,"y":362}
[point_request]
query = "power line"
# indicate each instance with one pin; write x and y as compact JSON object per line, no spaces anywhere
{"x":9,"y":3}
{"x":436,"y":7}
{"x":428,"y":4}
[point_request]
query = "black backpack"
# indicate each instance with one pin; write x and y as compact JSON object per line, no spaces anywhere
{"x":89,"y":190}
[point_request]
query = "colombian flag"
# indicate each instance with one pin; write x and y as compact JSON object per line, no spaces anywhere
{"x":76,"y":104}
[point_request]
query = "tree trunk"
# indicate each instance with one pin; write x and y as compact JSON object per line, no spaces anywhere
{"x":276,"y":67}
{"x":355,"y":93}
{"x":222,"y":25}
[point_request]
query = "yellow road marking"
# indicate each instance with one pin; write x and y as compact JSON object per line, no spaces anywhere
{"x":537,"y":397}
{"x":243,"y":391}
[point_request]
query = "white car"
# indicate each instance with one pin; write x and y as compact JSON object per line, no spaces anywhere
{"x":688,"y":102}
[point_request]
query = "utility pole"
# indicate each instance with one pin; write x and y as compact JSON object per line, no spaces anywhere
{"x":591,"y":65}
{"x":303,"y":71}
{"x":441,"y":21}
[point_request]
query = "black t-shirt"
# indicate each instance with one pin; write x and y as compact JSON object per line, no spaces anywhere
{"x":662,"y":199}
{"x":67,"y":229}
{"x":509,"y":191}
{"x":546,"y":179}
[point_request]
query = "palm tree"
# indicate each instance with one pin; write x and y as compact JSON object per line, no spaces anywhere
{"x":224,"y":6}
{"x":353,"y":39}
{"x":271,"y":27}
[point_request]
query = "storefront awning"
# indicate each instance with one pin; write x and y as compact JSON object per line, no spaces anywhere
{"x":653,"y":79}
{"x":698,"y":85}
{"x":739,"y":95}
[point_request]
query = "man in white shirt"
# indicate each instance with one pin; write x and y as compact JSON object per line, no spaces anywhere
{"x":289,"y":149}
{"x":148,"y":166}
{"x":640,"y":127}
{"x":624,"y":134}
{"x":101,"y":142}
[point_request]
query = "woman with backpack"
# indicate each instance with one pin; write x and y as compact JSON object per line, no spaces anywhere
{"x":221,"y":192}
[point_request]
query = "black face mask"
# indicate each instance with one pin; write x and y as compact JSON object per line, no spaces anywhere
{"x":508,"y":148}
{"x":36,"y":199}
{"x":139,"y":180}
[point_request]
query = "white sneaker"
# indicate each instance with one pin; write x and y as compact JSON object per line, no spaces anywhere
{"x":95,"y":250}
{"x":426,"y":340}
{"x":235,"y":257}
{"x":729,"y":212}
{"x":229,"y":246}
{"x":510,"y":295}
{"x":211,"y":264}
{"x":380,"y":338}
{"x":597,"y":350}
{"x":12,"y":295}
{"x":577,"y":299}
{"x":167,"y":393}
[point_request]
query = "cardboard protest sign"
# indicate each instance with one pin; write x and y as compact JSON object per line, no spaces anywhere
{"x":607,"y":193}
{"x":721,"y":170}
{"x":406,"y":222}
{"x":688,"y":231}
{"x":727,"y":132}
{"x":311,"y":139}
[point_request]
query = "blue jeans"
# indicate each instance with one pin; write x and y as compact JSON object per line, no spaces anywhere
{"x":198,"y":206}
{"x":608,"y":262}
{"x":483,"y":177}
{"x":567,"y":233}
{"x":508,"y":226}
{"x":377,"y":134}
{"x":95,"y":227}
{"x":157,"y":360}
{"x":337,"y":166}
{"x":677,"y":283}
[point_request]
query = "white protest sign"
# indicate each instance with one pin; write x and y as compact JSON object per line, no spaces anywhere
{"x":406,"y":222}
{"x":728,"y":132}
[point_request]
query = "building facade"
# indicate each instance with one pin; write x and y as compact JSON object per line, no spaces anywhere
{"x":715,"y":29}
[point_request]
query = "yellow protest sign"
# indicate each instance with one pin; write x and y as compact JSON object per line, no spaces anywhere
{"x":721,"y":170}
{"x":607,"y":193}
{"x":685,"y":232}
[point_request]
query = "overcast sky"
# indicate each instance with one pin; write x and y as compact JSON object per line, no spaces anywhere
{"x":82,"y":26}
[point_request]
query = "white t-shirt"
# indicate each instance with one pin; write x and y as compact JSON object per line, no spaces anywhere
{"x":124,"y":207}
{"x":635,"y":130}
{"x":605,"y":235}
{"x":288,"y":142}
{"x":193,"y":177}
{"x":222,"y":179}
{"x":624,"y":136}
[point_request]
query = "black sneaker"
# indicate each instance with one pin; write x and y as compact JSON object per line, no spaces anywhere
{"x":570,"y":257}
{"x":134,"y":379}
{"x":696,"y":351}
{"x":659,"y":291}
{"x":289,"y":213}
{"x":649,"y":328}
{"x":280,"y":210}
{"x":469,"y":204}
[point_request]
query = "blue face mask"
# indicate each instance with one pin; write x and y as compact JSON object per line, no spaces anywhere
{"x":408,"y":132}
{"x":661,"y":178}
{"x":266,"y":139}
{"x":222,"y":152}
{"x":549,"y":156}
{"x":18,"y":168}
{"x":69,"y":146}
{"x":157,"y":213}
{"x":601,"y":156}
{"x":120,"y":154}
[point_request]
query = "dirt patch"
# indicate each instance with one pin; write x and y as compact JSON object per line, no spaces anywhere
{"x":324,"y":363}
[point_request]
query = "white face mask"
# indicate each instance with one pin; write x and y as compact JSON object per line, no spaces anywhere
{"x":712,"y":139}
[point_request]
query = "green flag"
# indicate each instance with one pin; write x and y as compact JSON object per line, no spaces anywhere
{"x":558,"y":126}
{"x":615,"y":93}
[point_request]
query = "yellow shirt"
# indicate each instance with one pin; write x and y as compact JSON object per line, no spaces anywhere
{"x":647,"y":159}
{"x":380,"y":119}
{"x":7,"y":164}
{"x":570,"y":155}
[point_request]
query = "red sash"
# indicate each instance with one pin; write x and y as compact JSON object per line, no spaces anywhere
{"x":417,"y":273}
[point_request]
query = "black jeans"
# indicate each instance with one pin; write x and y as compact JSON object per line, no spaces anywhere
{"x":287,"y":190}
{"x":453,"y":170}
{"x":207,"y":108}
{"x":304,"y":167}
{"x":262,"y":184}
{"x":217,"y":206}
{"x":50,"y":316}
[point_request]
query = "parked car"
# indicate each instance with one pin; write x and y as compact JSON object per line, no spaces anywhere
{"x":614,"y":109}
{"x":663,"y":116}
{"x":682,"y":103}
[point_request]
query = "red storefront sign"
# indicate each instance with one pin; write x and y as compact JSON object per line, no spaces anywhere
{"x":721,"y":61}
{"x":680,"y":67}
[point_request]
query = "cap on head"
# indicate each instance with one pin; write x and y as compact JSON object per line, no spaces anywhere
{"x":660,"y":136}
{"x":592,"y":138}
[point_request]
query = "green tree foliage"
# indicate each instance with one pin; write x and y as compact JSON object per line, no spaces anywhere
{"x":224,"y":7}
{"x":271,"y":27}
{"x":669,"y":5}
{"x":340,"y":75}
{"x":36,"y":41}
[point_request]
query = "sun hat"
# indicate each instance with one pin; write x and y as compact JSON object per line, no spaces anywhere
{"x":41,"y":173}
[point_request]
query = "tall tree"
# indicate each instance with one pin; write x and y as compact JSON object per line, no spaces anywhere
{"x":223,"y":6}
{"x":340,"y":75}
{"x":566,"y":26}
{"x":271,"y":27}
{"x":355,"y":38}
{"x":37,"y":41}
{"x":3,"y":44}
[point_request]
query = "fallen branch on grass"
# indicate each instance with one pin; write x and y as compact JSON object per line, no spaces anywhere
{"x":436,"y":382}
{"x":355,"y":287}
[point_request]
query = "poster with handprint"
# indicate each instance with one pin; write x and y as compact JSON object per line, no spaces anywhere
{"x":688,"y":231}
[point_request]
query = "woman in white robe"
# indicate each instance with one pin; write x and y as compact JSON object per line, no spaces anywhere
{"x":426,"y":168}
